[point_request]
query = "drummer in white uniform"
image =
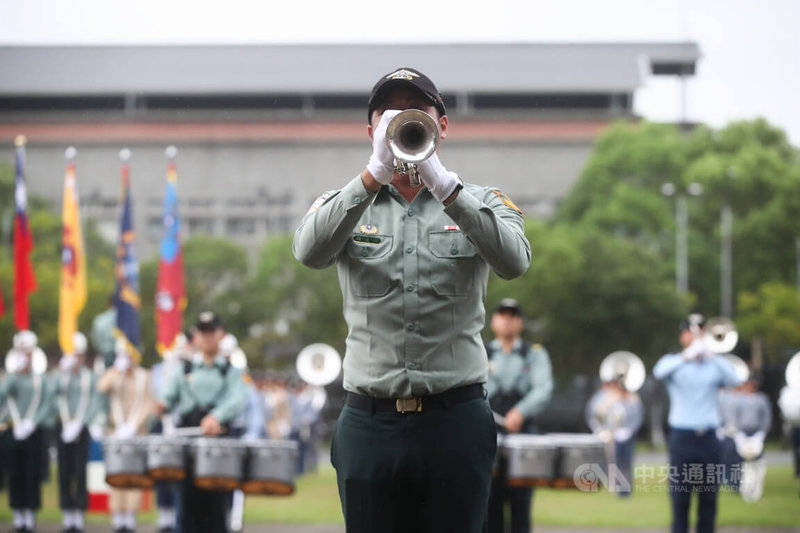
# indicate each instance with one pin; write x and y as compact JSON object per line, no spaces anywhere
{"x":27,"y":394}
{"x":208,"y":394}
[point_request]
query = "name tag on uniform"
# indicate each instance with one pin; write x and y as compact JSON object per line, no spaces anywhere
{"x":367,"y":239}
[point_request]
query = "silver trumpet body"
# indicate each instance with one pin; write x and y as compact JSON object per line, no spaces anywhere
{"x":412,"y":136}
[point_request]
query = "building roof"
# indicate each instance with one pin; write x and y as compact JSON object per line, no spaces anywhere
{"x":337,"y":68}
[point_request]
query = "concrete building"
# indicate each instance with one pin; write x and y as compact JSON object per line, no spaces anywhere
{"x":263,"y":130}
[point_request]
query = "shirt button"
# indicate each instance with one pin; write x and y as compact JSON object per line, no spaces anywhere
{"x":357,"y":199}
{"x":364,"y":253}
{"x":453,"y":251}
{"x":411,"y":212}
{"x":411,"y":366}
{"x":410,"y":326}
{"x":410,"y":288}
{"x":409,"y":249}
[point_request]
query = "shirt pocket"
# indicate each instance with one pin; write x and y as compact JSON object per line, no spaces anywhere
{"x":452,"y":263}
{"x":368,"y":271}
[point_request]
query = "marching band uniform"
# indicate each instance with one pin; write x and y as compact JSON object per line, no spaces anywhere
{"x":209,"y":389}
{"x":693,"y":378}
{"x":616,"y":414}
{"x":27,"y":394}
{"x":415,"y":443}
{"x":520,"y":380}
{"x":750,"y":418}
{"x":127,"y":387}
{"x":75,"y":401}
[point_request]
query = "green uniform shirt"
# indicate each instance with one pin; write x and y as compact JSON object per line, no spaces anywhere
{"x":205,"y":385}
{"x":530,"y":375}
{"x":413,"y":277}
{"x":69,"y":394}
{"x":21,"y":388}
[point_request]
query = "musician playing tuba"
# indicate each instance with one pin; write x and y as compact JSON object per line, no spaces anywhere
{"x":615,"y":413}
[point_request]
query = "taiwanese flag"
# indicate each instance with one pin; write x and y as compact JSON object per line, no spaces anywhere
{"x":126,"y":271}
{"x":171,"y":288}
{"x":24,"y":278}
{"x":72,"y":293}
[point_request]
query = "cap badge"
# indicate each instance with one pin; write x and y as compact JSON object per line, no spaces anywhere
{"x":402,"y":74}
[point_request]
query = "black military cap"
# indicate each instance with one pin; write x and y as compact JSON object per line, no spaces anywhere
{"x":509,"y":305}
{"x":403,"y":76}
{"x":208,"y":321}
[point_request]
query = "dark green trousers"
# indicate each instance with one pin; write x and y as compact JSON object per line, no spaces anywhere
{"x":427,"y":472}
{"x":25,"y":472}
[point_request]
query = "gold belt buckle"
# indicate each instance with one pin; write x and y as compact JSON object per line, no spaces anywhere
{"x":408,"y":405}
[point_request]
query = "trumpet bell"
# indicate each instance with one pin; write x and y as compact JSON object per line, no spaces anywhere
{"x":721,"y":335}
{"x":412,"y":136}
{"x":626,"y":366}
{"x":318,"y":364}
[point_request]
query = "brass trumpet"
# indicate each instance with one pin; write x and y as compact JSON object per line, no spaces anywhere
{"x":412,"y":136}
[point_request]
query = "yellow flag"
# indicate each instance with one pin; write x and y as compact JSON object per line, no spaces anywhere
{"x":72,"y":295}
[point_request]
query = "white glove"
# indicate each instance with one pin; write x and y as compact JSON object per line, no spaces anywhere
{"x":122,"y":362}
{"x":67,"y":362}
{"x":24,"y":429}
{"x":621,"y":434}
{"x":381,"y":162}
{"x":71,"y":430}
{"x":695,"y":349}
{"x":125,"y":431}
{"x":96,"y":431}
{"x":440,"y":181}
{"x":16,"y":362}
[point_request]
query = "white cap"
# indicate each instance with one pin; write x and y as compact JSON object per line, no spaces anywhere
{"x":25,"y":340}
{"x":79,"y":343}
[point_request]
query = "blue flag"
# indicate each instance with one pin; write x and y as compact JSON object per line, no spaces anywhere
{"x":127,"y":300}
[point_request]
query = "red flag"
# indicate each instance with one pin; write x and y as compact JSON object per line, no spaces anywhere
{"x":2,"y":305}
{"x":171,"y":290}
{"x":24,"y":278}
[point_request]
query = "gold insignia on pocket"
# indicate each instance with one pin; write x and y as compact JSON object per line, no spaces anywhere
{"x":506,"y":200}
{"x":368,"y":229}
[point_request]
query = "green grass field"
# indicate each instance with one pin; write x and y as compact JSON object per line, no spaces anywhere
{"x":316,"y":501}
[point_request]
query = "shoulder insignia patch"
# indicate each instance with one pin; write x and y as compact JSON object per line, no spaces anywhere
{"x":321,"y":200}
{"x":506,"y":200}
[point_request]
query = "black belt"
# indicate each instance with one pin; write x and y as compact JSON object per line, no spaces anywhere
{"x":416,"y":404}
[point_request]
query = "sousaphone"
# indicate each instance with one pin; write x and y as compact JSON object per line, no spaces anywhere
{"x":626,"y":366}
{"x":720,"y":335}
{"x":318,"y":364}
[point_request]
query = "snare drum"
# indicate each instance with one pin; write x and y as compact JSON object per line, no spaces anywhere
{"x":218,"y":463}
{"x":126,"y":463}
{"x":166,"y":458}
{"x":271,"y":467}
{"x":530,"y":460}
{"x":577,"y":453}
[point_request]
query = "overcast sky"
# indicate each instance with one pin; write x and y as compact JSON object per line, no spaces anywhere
{"x":751,"y":48}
